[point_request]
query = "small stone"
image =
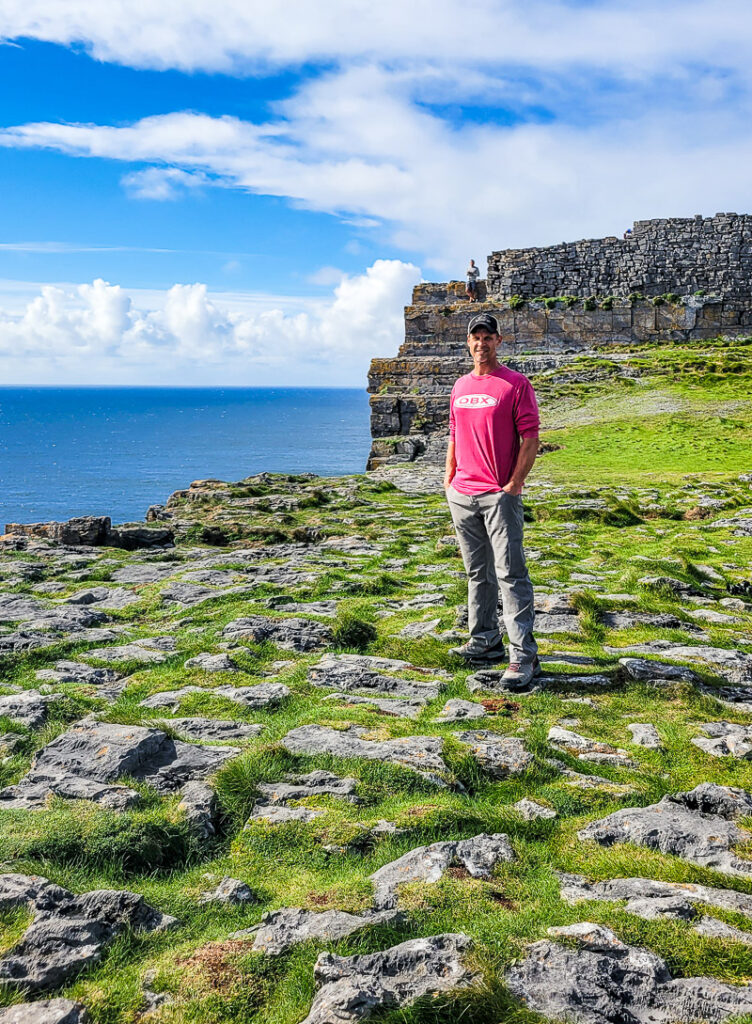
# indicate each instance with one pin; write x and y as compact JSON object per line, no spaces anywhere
{"x":230,"y":891}
{"x":530,"y":810}
{"x":457,"y":710}
{"x":645,"y":735}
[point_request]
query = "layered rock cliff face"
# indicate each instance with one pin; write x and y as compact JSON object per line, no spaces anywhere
{"x":553,"y":303}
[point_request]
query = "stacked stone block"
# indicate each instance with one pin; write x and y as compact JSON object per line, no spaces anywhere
{"x":681,"y":255}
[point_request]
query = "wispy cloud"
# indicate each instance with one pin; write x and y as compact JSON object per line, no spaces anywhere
{"x":356,"y":144}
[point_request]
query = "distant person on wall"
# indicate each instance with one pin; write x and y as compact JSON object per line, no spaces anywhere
{"x":472,"y":281}
{"x":493,"y":442}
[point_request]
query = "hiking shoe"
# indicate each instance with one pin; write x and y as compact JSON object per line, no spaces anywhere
{"x":472,"y":651}
{"x":520,"y":674}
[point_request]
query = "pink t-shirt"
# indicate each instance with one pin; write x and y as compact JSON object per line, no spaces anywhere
{"x":487,"y":416}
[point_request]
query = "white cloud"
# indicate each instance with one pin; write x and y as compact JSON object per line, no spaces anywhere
{"x":95,"y":333}
{"x":355,"y":144}
{"x":161,"y":182}
{"x":242,"y":37}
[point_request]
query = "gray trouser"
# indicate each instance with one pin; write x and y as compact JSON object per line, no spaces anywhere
{"x":489,"y":530}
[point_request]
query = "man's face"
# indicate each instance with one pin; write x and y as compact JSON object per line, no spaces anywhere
{"x":483,"y":344}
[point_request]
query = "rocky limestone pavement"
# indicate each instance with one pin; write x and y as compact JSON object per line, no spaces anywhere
{"x":259,"y":697}
{"x":644,"y":734}
{"x":28,"y":708}
{"x":556,"y":613}
{"x":68,"y":933}
{"x":639,"y":892}
{"x":604,"y":981}
{"x":386,"y":705}
{"x":280,"y":930}
{"x":303,"y":635}
{"x":367,"y":675}
{"x":421,"y":753}
{"x":272,"y":808}
{"x":712,"y":928}
{"x":46,"y":1011}
{"x":698,"y":826}
{"x":37,"y":615}
{"x":478,"y":856}
{"x":198,"y":802}
{"x":732,"y":666}
{"x":212,"y":662}
{"x":585,"y":749}
{"x":109,"y":599}
{"x":149,"y":651}
{"x":648,"y":671}
{"x":725,"y":739}
{"x":214,"y":730}
{"x":530,"y":810}
{"x":498,"y":755}
{"x":86,"y":761}
{"x":78,"y":672}
{"x":457,"y":710}
{"x":352,"y":988}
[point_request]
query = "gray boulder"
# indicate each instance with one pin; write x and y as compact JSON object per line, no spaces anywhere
{"x":712,"y":928}
{"x":213,"y":730}
{"x":363,"y":674}
{"x":530,"y":810}
{"x":199,"y":804}
{"x":398,"y":708}
{"x":352,"y":988}
{"x":28,"y":708}
{"x":500,"y":756}
{"x":421,"y":753}
{"x":645,"y":735}
{"x":724,"y":739}
{"x":280,"y":930}
{"x":732,"y":666}
{"x":69,"y":933}
{"x":304,"y":635}
{"x":230,"y":891}
{"x":46,"y":1011}
{"x":604,"y":981}
{"x":256,"y":698}
{"x":271,"y":806}
{"x":78,"y":672}
{"x":94,"y":752}
{"x":575,"y":889}
{"x":457,"y":710}
{"x":106,"y":598}
{"x":655,"y":671}
{"x":697,"y":826}
{"x":212,"y":662}
{"x":479,"y":856}
{"x":149,"y":572}
{"x":149,"y":651}
{"x":585,"y":749}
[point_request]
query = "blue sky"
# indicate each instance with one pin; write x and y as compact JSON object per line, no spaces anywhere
{"x":232,"y":192}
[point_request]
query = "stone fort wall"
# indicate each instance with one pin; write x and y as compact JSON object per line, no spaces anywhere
{"x":679,"y":254}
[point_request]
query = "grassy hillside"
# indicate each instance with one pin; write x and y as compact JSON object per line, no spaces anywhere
{"x":653,"y":452}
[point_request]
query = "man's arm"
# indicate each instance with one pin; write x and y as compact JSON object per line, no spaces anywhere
{"x":525,"y":459}
{"x":451,"y":465}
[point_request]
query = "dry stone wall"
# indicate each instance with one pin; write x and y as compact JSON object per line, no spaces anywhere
{"x":410,"y":392}
{"x":679,"y":254}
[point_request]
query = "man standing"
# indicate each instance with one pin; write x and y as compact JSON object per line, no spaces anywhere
{"x":471,"y":289}
{"x":493,"y":428}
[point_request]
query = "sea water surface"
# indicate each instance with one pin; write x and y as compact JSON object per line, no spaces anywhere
{"x":116,"y":450}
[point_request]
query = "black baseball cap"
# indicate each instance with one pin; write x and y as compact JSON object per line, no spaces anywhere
{"x":490,"y":323}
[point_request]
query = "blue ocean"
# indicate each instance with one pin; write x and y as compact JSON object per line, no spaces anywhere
{"x":116,"y":450}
